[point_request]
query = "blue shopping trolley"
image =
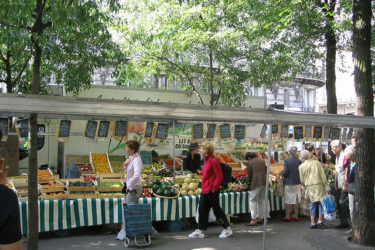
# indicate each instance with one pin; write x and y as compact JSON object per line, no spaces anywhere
{"x":138,"y":225}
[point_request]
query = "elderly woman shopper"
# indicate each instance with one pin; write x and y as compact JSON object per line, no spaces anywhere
{"x":292,"y":183}
{"x":212,"y":177}
{"x":257,"y":172}
{"x":133,"y":167}
{"x":348,"y":186}
{"x":315,"y":183}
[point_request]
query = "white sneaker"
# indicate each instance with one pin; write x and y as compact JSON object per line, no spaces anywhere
{"x":227,"y":232}
{"x":197,"y":234}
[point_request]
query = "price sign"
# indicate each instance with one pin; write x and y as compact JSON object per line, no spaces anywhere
{"x":121,"y":128}
{"x":103,"y":129}
{"x":350,"y":134}
{"x":298,"y":132}
{"x":64,"y":128}
{"x":284,"y":131}
{"x":91,"y":129}
{"x":239,"y":132}
{"x":263,"y":132}
{"x":335,"y":133}
{"x":146,"y":157}
{"x":225,"y":131}
{"x":326,"y":133}
{"x":149,"y":129}
{"x":22,"y":127}
{"x":275,"y":129}
{"x":211,"y":129}
{"x":308,"y":131}
{"x":197,"y":131}
{"x":162,"y":131}
{"x":317,"y":132}
{"x":344,"y":134}
{"x":4,"y":127}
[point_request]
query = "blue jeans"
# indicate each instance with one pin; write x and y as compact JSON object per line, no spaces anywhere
{"x":314,"y":208}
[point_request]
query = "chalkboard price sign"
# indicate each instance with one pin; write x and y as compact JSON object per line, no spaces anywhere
{"x":121,"y":128}
{"x":4,"y":126}
{"x":197,"y":131}
{"x":284,"y":131}
{"x":239,"y":132}
{"x":146,"y":157}
{"x":308,"y":131}
{"x":318,"y":132}
{"x":344,"y":134}
{"x":327,"y":132}
{"x":298,"y":132}
{"x":225,"y":131}
{"x":23,"y":128}
{"x":263,"y":132}
{"x":162,"y":131}
{"x":350,"y":134}
{"x":149,"y":129}
{"x":91,"y":128}
{"x":211,"y":128}
{"x":103,"y":129}
{"x":335,"y":133}
{"x":275,"y":129}
{"x":64,"y":128}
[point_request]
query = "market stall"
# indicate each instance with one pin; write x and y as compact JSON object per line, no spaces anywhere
{"x":66,"y":214}
{"x":227,"y":127}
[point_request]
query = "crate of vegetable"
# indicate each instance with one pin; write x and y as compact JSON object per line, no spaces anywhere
{"x":81,"y":186}
{"x":82,"y":195}
{"x":164,"y":172}
{"x":165,"y":190}
{"x":110,"y":186}
{"x":54,"y":196}
{"x":53,"y":187}
{"x":85,"y":168}
{"x":117,"y":162}
{"x":110,"y":195}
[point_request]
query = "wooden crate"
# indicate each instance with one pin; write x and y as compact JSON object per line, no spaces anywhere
{"x":113,"y":196}
{"x":53,"y":197}
{"x":93,"y":166}
{"x":81,"y":188}
{"x":276,"y":168}
{"x":53,"y":190}
{"x":112,"y":176}
{"x":110,"y":189}
{"x":72,"y":196}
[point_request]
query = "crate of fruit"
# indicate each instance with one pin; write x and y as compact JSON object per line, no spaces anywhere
{"x":117,"y":162}
{"x":54,"y":196}
{"x":53,"y":187}
{"x":46,"y":175}
{"x":82,"y":195}
{"x":110,"y":195}
{"x":100,"y":163}
{"x":109,"y":185}
{"x":85,"y":168}
{"x":81,"y":186}
{"x":103,"y":176}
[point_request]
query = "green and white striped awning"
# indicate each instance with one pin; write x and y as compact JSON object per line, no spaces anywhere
{"x":65,"y":214}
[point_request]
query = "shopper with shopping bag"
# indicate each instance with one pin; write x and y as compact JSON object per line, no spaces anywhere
{"x":315,"y":183}
{"x":212,"y":177}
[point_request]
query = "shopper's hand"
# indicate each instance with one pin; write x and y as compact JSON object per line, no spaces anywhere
{"x":126,"y":163}
{"x":345,"y":189}
{"x":3,"y":171}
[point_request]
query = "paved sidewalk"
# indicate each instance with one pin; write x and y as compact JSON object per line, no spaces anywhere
{"x":280,"y":235}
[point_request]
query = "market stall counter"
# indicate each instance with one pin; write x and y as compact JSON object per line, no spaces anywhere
{"x":66,"y":214}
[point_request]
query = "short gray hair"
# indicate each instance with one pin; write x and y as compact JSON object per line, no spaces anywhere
{"x":305,"y":154}
{"x":292,"y":150}
{"x":349,"y":151}
{"x":336,"y":143}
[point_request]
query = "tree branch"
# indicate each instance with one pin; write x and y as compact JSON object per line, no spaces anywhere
{"x":23,"y":69}
{"x":2,"y":57}
{"x":15,"y":26}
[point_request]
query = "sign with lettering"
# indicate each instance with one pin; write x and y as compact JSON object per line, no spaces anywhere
{"x":344,"y":134}
{"x":149,"y":131}
{"x":121,"y":128}
{"x":298,"y":132}
{"x":327,"y":132}
{"x":318,"y":132}
{"x":22,"y":127}
{"x":211,"y":129}
{"x":197,"y":131}
{"x":225,"y":131}
{"x":146,"y":157}
{"x":308,"y":131}
{"x":350,"y":134}
{"x":91,"y":129}
{"x":335,"y":133}
{"x":239,"y":132}
{"x":162,"y":131}
{"x":103,"y":129}
{"x":4,"y":126}
{"x":64,"y":128}
{"x":284,"y":131}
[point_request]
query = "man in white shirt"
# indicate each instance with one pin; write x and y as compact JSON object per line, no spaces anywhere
{"x":341,"y":195}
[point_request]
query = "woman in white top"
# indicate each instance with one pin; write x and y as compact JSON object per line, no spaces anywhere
{"x":133,"y":167}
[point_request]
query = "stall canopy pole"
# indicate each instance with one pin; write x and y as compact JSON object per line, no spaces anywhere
{"x":267,"y":186}
{"x":173,"y":152}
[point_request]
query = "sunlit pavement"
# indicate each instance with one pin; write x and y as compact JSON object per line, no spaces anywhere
{"x":280,"y":235}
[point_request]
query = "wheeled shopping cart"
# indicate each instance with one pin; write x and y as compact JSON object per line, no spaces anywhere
{"x":138,"y":226}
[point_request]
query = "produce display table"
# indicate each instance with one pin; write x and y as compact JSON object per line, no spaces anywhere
{"x":65,"y":214}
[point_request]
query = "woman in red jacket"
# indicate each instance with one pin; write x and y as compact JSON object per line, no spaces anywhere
{"x":212,"y":177}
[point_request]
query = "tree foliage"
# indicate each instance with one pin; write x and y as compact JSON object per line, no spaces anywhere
{"x":214,"y":47}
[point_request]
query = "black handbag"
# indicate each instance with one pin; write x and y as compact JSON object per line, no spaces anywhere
{"x":124,"y":188}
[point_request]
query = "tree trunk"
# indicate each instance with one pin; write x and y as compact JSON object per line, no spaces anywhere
{"x":12,"y":149}
{"x":33,"y":218}
{"x":364,"y":216}
{"x":331,"y":67}
{"x":211,"y":79}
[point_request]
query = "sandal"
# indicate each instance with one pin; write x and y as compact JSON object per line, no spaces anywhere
{"x":296,"y":218}
{"x":252,"y":224}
